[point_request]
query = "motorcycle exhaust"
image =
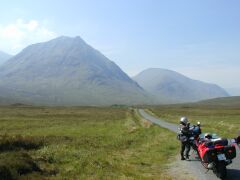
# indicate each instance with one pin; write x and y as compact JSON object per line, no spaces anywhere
{"x":210,"y":166}
{"x":228,"y":162}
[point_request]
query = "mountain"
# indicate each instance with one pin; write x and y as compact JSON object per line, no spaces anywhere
{"x":67,"y":71}
{"x":4,"y":57}
{"x":171,"y":87}
{"x":224,"y":101}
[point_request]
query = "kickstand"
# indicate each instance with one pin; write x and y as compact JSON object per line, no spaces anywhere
{"x":207,"y":171}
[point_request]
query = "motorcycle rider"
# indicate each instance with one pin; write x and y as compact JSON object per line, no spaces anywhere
{"x":184,"y":138}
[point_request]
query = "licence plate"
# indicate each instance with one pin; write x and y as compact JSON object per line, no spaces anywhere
{"x":221,"y":157}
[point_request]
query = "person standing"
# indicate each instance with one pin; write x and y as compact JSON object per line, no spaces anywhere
{"x":184,"y":138}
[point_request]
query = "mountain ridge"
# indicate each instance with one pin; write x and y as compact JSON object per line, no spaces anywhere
{"x":172,"y":87}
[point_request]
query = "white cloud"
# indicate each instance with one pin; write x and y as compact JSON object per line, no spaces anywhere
{"x":16,"y":36}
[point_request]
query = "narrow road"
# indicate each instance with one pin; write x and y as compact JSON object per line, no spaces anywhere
{"x":195,"y":166}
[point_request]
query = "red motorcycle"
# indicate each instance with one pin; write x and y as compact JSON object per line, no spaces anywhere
{"x":215,"y":154}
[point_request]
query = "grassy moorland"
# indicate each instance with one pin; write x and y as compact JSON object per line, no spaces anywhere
{"x":220,"y":119}
{"x":81,"y":143}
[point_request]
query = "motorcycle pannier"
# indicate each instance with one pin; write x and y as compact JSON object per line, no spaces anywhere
{"x":210,"y":155}
{"x":230,"y":152}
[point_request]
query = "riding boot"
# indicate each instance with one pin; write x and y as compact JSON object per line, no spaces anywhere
{"x":188,"y":147}
{"x":182,"y":158}
{"x":182,"y":150}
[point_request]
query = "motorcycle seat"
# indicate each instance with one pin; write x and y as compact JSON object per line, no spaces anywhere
{"x":220,"y":141}
{"x":209,"y":144}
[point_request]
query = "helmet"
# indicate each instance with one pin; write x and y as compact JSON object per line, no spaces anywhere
{"x":208,"y":136}
{"x":198,"y":123}
{"x":184,"y":120}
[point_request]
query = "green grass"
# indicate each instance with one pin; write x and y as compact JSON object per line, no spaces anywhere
{"x":222,"y":101}
{"x":82,"y":143}
{"x":224,"y":120}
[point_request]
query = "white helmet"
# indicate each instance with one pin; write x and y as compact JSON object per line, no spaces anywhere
{"x":208,"y":136}
{"x":184,"y":120}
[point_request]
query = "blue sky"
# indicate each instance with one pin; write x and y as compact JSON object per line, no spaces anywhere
{"x":199,"y":38}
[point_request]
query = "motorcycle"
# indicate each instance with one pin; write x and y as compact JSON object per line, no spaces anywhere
{"x":215,"y":154}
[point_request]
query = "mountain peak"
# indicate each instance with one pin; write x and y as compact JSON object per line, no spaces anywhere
{"x":67,"y":71}
{"x":61,"y":50}
{"x":61,"y":38}
{"x":158,"y":70}
{"x":77,"y":40}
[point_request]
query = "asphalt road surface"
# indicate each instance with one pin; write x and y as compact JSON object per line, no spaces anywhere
{"x":233,"y":170}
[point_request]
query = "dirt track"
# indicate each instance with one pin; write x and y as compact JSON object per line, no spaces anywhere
{"x":195,"y":166}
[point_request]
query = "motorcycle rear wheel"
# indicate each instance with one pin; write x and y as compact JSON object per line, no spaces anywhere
{"x":221,"y":170}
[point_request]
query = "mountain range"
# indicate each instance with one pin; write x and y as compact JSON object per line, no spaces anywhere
{"x":68,"y":71}
{"x":171,"y":87}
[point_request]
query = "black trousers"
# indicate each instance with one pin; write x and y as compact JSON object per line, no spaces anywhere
{"x":185,"y":146}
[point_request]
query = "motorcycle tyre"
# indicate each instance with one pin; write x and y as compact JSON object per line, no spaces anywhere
{"x":221,"y":170}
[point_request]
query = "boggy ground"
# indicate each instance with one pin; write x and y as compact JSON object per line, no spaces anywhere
{"x":82,"y":143}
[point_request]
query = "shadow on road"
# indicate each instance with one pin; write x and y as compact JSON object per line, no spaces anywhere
{"x":233,"y":174}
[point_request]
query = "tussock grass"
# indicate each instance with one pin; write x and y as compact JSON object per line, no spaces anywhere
{"x":88,"y":142}
{"x":14,"y":159}
{"x":13,"y":165}
{"x":18,"y":142}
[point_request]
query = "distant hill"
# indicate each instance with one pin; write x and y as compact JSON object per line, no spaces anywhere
{"x":171,"y":87}
{"x":226,"y":101}
{"x":4,"y":57}
{"x":67,"y":71}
